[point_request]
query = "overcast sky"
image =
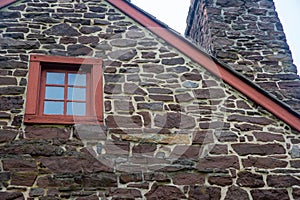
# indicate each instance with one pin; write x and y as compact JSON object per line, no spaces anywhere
{"x":174,"y":13}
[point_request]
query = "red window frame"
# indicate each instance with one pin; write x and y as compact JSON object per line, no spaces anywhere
{"x":39,"y":64}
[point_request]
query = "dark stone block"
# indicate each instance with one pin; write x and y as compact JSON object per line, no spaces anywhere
{"x":62,"y":30}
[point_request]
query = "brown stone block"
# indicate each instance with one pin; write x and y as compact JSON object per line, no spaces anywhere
{"x":268,"y":137}
{"x":134,"y":121}
{"x":164,"y":192}
{"x":12,"y":195}
{"x":117,"y":148}
{"x":270,"y":194}
{"x":99,"y":180}
{"x":123,"y":193}
{"x":254,"y":120}
{"x":212,"y":93}
{"x":248,"y":179}
{"x":90,"y":132}
{"x":186,"y":152}
{"x":19,"y":165}
{"x":188,"y":179}
{"x":174,"y":120}
{"x":203,"y":192}
{"x":258,"y":149}
{"x":7,"y":135}
{"x":282,"y":181}
{"x":132,"y":88}
{"x":264,"y":162}
{"x":236,"y":193}
{"x":8,"y":81}
{"x":218,"y":162}
{"x":144,"y":149}
{"x":36,"y":132}
{"x":164,"y":98}
{"x":220,"y":180}
{"x":248,"y":127}
{"x":23,"y":178}
{"x":130,"y":177}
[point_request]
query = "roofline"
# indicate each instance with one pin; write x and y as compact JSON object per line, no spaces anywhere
{"x":4,"y":3}
{"x":245,"y":86}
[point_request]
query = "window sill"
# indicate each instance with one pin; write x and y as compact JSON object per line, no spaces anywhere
{"x":57,"y":119}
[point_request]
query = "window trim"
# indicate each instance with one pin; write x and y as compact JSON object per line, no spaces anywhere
{"x":33,"y":99}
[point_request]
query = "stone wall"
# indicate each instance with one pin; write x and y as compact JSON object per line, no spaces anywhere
{"x":171,"y":131}
{"x":249,"y":37}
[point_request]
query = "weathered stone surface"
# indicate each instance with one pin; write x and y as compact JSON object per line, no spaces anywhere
{"x":254,"y":120}
{"x":153,"y":68}
{"x":212,"y":93}
{"x":258,"y":149}
{"x":264,"y":162}
{"x":36,"y":132}
{"x":220,"y":180}
{"x":7,"y":135}
{"x":165,"y":98}
{"x":150,"y":106}
{"x":191,"y":76}
{"x":173,"y":61}
{"x":23,"y":178}
{"x":282,"y":181}
{"x":174,"y":120}
{"x":124,"y":121}
{"x":188,"y":179}
{"x":36,"y":192}
{"x":132,"y":88}
{"x":205,"y":193}
{"x":123,"y":43}
{"x":248,"y":127}
{"x":130,"y":177}
{"x":12,"y":195}
{"x":144,"y":149}
{"x":18,"y":44}
{"x":79,"y":49}
{"x":164,"y":191}
{"x":34,"y":148}
{"x":186,"y":152}
{"x":226,"y":136}
{"x":270,"y":194}
{"x":117,"y":148}
{"x":236,"y":193}
{"x":248,"y":179}
{"x":218,"y":162}
{"x":159,"y":91}
{"x":124,"y":193}
{"x":8,"y":81}
{"x":19,"y":165}
{"x":99,"y":180}
{"x":123,"y":55}
{"x":268,"y":137}
{"x":62,"y":30}
{"x":90,"y":132}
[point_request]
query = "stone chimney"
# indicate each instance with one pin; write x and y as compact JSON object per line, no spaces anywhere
{"x":248,"y":36}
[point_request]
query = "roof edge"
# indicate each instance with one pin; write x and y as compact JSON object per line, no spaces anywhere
{"x":221,"y":70}
{"x":4,"y":3}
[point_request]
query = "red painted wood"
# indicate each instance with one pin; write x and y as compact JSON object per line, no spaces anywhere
{"x":4,"y":3}
{"x":37,"y":83}
{"x":205,"y":61}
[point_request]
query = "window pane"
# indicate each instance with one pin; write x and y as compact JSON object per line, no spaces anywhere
{"x":54,"y":93}
{"x":77,"y":79}
{"x":76,"y":93}
{"x":55,"y":78}
{"x":53,"y":108}
{"x":75,"y":108}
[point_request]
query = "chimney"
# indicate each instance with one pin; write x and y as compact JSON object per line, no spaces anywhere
{"x":248,"y":36}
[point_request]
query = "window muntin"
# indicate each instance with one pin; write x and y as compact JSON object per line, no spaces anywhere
{"x":65,"y":92}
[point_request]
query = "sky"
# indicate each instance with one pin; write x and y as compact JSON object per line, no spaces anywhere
{"x":174,"y":13}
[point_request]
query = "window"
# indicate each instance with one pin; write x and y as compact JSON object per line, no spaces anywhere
{"x":64,"y":90}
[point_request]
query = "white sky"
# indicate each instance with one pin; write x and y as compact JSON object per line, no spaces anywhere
{"x":174,"y":13}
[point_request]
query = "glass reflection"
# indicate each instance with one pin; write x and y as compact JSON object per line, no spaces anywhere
{"x":75,"y":108}
{"x":53,"y":108}
{"x":55,"y":78}
{"x":54,"y":93}
{"x":77,"y":79}
{"x":76,"y":93}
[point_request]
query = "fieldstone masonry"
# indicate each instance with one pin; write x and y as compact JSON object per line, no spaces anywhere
{"x":248,"y":36}
{"x":171,"y":130}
